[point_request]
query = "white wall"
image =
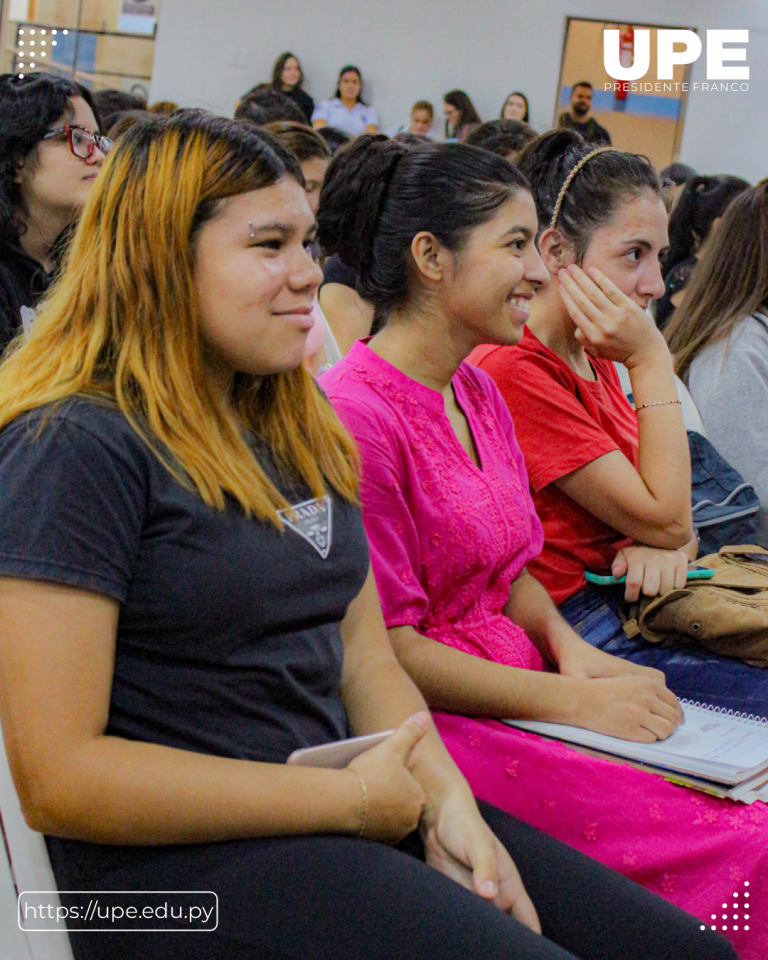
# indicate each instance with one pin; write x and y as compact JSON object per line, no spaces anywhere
{"x":208,"y":54}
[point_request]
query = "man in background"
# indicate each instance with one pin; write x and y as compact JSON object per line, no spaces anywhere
{"x":577,"y":116}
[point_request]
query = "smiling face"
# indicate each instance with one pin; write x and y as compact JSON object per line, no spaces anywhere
{"x":255,"y":280}
{"x":629,"y":249}
{"x":515,"y":108}
{"x":350,"y":85}
{"x":291,"y":72}
{"x":496,"y":275}
{"x":421,"y":122}
{"x":53,"y":181}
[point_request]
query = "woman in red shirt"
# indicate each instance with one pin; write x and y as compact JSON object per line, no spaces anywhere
{"x":611,"y":485}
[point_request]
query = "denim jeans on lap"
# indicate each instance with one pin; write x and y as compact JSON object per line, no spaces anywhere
{"x":691,"y":673}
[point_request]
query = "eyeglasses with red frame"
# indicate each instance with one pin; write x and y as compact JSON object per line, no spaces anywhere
{"x":82,"y":142}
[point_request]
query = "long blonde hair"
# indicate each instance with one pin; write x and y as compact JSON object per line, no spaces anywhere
{"x":122,"y":322}
{"x":729,"y":283}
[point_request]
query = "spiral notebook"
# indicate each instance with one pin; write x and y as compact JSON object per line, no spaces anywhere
{"x":719,"y":751}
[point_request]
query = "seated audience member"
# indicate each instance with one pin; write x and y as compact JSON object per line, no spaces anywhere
{"x":347,"y":110}
{"x":288,"y":78}
{"x":422,"y":117}
{"x":676,"y":174}
{"x":334,"y":138}
{"x":264,"y":104}
{"x":312,"y":152}
{"x":460,"y":115}
{"x":504,"y":137}
{"x":172,"y":629}
{"x":420,"y":123}
{"x":719,"y":339}
{"x":50,"y":155}
{"x":692,"y":225}
{"x":321,"y":349}
{"x":112,"y":104}
{"x":611,"y":486}
{"x":516,"y":108}
{"x":578,"y":115}
{"x":443,"y":239}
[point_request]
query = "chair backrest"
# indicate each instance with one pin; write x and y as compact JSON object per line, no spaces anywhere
{"x":30,"y":869}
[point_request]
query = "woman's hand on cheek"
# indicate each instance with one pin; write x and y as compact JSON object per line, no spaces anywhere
{"x":649,"y":570}
{"x":461,"y":845}
{"x":610,"y":324}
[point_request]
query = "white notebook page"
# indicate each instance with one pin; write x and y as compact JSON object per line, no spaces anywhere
{"x":708,"y":742}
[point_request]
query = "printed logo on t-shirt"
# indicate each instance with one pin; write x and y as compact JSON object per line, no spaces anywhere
{"x":312,"y":520}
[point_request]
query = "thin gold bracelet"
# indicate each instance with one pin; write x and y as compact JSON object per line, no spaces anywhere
{"x":657,"y":403}
{"x":364,"y":814}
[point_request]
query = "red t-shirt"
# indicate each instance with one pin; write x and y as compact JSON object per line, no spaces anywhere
{"x":563,"y":422}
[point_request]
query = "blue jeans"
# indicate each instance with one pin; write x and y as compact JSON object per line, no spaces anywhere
{"x":692,"y":673}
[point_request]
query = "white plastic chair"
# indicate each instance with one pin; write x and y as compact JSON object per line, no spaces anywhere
{"x":24,"y":865}
{"x":691,"y":416}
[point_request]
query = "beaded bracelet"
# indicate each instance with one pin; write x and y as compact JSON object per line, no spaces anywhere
{"x":657,"y":403}
{"x":364,"y":814}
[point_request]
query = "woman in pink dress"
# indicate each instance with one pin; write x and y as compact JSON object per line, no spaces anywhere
{"x":447,"y":256}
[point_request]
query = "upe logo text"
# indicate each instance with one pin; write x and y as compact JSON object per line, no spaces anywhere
{"x":667,"y":56}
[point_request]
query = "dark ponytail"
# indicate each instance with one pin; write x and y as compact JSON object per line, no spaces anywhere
{"x":702,"y":201}
{"x":352,"y":197}
{"x":602,"y":184}
{"x":379,"y":193}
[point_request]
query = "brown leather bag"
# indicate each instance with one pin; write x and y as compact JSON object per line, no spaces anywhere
{"x":727,"y":615}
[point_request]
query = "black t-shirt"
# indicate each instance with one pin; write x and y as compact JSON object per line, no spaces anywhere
{"x":228,"y":638}
{"x":591,"y":130}
{"x":302,"y":100}
{"x":23,"y":283}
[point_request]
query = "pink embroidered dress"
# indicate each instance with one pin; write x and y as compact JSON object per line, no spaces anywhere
{"x":447,"y":539}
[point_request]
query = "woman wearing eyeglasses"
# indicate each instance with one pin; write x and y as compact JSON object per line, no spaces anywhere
{"x":50,"y":155}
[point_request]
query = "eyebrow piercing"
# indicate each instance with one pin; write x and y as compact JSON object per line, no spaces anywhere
{"x":252,"y":229}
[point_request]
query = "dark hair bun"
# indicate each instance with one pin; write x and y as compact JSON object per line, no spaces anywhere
{"x":546,"y":162}
{"x":353,"y":194}
{"x":379,"y":194}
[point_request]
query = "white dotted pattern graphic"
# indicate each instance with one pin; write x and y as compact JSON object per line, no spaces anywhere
{"x":744,"y":915}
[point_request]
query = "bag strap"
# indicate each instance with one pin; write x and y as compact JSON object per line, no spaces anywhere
{"x":635,"y":615}
{"x":723,"y":503}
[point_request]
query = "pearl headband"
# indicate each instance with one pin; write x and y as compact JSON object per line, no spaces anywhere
{"x":569,"y":178}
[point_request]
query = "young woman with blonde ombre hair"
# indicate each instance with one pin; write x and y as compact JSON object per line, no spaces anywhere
{"x":185,"y":599}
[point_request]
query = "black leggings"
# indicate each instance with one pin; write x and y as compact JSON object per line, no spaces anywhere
{"x":334,"y":898}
